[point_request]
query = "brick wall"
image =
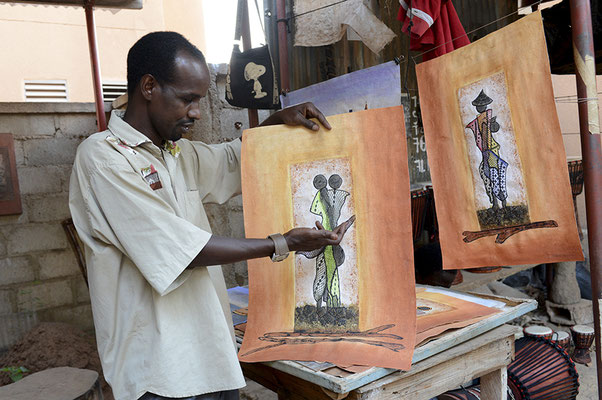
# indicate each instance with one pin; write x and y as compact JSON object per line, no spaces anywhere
{"x":39,"y":276}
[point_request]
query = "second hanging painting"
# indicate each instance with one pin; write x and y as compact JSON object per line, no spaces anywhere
{"x":496,"y":152}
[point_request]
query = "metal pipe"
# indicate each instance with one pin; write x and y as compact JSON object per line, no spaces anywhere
{"x":91,"y":26}
{"x":285,"y":85}
{"x":246,"y":45}
{"x":585,"y":71}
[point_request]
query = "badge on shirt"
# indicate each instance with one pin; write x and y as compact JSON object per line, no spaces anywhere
{"x":151,"y":176}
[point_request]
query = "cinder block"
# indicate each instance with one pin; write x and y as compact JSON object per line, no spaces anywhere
{"x":16,"y":270}
{"x":2,"y":246}
{"x":35,"y":237}
{"x":44,"y":295}
{"x":241,"y":273}
{"x":15,"y":218}
{"x":49,"y":208}
{"x":14,"y":326}
{"x":58,"y":263}
{"x":82,"y":293}
{"x":47,"y":179}
{"x":28,"y":125}
{"x":228,"y":119}
{"x":6,"y":304}
{"x":65,"y":175}
{"x":235,"y":203}
{"x":77,"y":125}
{"x":52,"y":151}
{"x":19,"y":155}
{"x":81,"y":316}
{"x":571,"y":314}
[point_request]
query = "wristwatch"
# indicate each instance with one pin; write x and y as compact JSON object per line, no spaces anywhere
{"x":280,"y":247}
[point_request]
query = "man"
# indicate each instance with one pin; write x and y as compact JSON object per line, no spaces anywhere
{"x":136,"y":199}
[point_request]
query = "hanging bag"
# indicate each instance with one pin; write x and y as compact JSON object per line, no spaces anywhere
{"x":251,"y":82}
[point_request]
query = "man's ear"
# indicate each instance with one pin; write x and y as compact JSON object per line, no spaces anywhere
{"x":148,"y":84}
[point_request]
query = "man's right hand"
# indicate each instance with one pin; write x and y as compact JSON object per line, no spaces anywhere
{"x":308,"y":239}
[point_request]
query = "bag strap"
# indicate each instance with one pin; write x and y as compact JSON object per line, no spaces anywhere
{"x":239,"y":17}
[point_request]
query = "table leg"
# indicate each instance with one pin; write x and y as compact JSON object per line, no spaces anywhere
{"x":494,"y":385}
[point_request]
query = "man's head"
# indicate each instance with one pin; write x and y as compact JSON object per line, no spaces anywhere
{"x":167,"y":77}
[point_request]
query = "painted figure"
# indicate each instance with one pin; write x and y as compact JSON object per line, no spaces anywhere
{"x":492,"y":168}
{"x":253,"y":72}
{"x":328,"y":203}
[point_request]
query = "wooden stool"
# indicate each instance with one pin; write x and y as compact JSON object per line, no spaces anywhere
{"x":64,"y":383}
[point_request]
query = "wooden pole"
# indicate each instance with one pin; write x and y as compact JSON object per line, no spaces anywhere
{"x":585,"y":71}
{"x":92,"y":45}
{"x":246,"y":45}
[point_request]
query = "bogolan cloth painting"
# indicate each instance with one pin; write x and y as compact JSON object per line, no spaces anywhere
{"x":496,"y":154}
{"x":353,"y":303}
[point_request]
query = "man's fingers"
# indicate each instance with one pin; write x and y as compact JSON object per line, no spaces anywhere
{"x":313,"y":112}
{"x":319,"y":225}
{"x":323,"y":120}
{"x":302,"y":120}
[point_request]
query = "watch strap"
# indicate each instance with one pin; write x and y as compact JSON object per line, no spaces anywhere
{"x":280,"y":247}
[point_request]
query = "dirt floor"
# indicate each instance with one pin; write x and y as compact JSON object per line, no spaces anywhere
{"x":52,"y":345}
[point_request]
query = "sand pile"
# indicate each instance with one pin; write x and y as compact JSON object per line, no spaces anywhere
{"x":51,"y":345}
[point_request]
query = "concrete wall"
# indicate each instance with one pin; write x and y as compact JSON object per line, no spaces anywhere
{"x":39,"y":276}
{"x":568,"y":115}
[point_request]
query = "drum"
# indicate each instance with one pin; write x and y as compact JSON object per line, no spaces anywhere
{"x":538,"y":331}
{"x":562,"y":339}
{"x":541,"y":370}
{"x":583,"y":337}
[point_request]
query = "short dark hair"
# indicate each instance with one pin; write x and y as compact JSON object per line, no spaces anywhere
{"x":155,"y":54}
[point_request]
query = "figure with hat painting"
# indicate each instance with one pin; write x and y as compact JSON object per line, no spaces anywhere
{"x":492,"y":168}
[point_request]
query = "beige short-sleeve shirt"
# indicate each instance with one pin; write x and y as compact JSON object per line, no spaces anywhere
{"x":138,"y":209}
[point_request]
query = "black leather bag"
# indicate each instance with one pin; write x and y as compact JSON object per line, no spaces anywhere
{"x":251,"y":82}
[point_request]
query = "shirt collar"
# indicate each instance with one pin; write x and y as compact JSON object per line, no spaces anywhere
{"x":133,"y":138}
{"x":124,"y":131}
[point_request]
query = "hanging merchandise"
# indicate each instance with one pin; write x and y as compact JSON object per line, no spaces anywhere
{"x":374,"y":87}
{"x":433,"y":25}
{"x":251,"y":82}
{"x":322,"y":22}
{"x":496,"y":152}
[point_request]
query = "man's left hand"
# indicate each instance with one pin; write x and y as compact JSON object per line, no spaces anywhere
{"x":299,"y":114}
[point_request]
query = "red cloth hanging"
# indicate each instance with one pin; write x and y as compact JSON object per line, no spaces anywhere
{"x":436,"y":24}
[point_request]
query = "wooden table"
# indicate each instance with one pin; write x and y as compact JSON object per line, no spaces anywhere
{"x":483,"y":350}
{"x":485,"y":356}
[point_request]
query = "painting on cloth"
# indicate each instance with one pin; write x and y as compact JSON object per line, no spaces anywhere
{"x":438,"y":310}
{"x":496,"y":153}
{"x":333,"y":304}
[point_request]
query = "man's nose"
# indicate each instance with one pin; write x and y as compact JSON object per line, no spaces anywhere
{"x":194,"y":111}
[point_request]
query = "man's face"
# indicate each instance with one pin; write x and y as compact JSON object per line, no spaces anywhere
{"x":176,"y":105}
